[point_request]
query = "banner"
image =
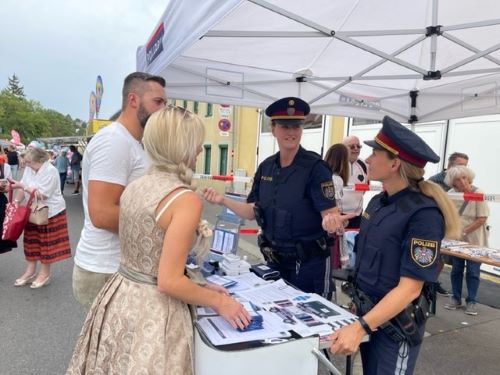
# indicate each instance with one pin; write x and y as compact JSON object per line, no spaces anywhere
{"x":92,"y":103}
{"x":99,"y":90}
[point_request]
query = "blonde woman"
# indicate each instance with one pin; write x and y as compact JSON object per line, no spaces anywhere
{"x":397,"y":251}
{"x":145,"y":303}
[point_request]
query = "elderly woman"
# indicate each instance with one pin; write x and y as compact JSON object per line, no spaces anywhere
{"x":43,"y":243}
{"x":473,"y":217}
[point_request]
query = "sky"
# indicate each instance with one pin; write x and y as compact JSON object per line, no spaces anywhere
{"x":57,"y":48}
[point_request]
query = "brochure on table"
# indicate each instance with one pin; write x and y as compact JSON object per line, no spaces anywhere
{"x":283,"y":309}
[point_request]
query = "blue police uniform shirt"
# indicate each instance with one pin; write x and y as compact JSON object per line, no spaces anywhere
{"x":293,"y":197}
{"x":400,"y":235}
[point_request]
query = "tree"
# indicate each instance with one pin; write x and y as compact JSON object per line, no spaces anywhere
{"x":15,"y":88}
{"x":30,"y":118}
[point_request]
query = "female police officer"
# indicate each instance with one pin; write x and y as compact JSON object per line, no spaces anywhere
{"x":397,"y":251}
{"x":291,"y":192}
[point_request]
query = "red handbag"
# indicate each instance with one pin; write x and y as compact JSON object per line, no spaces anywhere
{"x":16,"y":217}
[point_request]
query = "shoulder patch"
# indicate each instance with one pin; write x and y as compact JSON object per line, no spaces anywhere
{"x":423,"y":252}
{"x":328,"y":190}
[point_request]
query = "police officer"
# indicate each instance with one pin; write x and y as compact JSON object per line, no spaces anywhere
{"x":397,"y":251}
{"x":291,"y":192}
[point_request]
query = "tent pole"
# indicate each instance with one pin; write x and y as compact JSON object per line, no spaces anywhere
{"x":368,"y":69}
{"x":413,"y":109}
{"x":468,"y":46}
{"x":433,"y":49}
{"x":292,"y":16}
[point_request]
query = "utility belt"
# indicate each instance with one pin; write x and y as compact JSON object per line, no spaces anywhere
{"x":404,"y":326}
{"x":300,"y":250}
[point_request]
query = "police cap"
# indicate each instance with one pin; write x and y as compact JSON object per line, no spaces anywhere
{"x":288,"y":111}
{"x":403,"y":143}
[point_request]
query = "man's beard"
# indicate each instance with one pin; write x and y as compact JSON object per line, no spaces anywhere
{"x":142,"y":115}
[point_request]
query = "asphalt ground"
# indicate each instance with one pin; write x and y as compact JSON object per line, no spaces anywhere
{"x":39,"y":328}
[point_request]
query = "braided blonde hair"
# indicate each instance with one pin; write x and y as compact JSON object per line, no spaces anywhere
{"x":172,"y":138}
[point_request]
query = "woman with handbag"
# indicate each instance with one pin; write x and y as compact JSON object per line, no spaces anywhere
{"x":44,"y":243}
{"x":5,"y":173}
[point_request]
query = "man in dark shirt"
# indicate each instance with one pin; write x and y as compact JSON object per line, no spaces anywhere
{"x":13,"y":161}
{"x":75,"y":163}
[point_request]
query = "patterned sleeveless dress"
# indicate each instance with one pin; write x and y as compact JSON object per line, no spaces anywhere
{"x":132,"y":328}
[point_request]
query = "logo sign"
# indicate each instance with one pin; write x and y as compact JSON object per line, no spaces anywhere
{"x":224,"y":125}
{"x":155,"y":44}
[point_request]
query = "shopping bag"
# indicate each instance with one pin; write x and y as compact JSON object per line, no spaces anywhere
{"x":39,"y":214}
{"x":16,"y":217}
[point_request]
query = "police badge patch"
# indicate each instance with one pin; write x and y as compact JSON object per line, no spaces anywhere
{"x":423,"y":252}
{"x":328,"y":190}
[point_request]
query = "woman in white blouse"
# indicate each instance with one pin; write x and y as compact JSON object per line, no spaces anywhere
{"x":43,"y":243}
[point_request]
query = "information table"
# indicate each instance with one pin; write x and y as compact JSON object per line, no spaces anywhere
{"x":474,"y":253}
{"x":295,"y":325}
{"x":480,"y":259}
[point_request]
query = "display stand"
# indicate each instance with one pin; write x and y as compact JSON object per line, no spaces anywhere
{"x":227,"y":230}
{"x":291,"y":357}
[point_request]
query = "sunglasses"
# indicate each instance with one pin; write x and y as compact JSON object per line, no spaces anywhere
{"x":352,"y":147}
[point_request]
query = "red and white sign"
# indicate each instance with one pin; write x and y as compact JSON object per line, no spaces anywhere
{"x":224,"y":125}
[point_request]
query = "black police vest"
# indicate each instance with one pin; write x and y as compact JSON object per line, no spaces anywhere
{"x":379,"y":243}
{"x":288,"y":209}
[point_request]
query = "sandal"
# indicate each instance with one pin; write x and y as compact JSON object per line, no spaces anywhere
{"x":22,"y":282}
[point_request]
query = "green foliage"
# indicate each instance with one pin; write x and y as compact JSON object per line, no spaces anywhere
{"x":30,"y":119}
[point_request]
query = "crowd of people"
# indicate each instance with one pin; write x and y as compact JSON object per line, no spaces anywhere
{"x":129,"y":264}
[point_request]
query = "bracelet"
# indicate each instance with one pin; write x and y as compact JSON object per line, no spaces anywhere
{"x":365,"y":326}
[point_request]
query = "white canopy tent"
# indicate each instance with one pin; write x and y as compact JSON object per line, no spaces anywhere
{"x":417,"y":61}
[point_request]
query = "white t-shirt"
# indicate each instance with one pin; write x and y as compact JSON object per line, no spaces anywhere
{"x":113,"y":156}
{"x":353,"y":200}
{"x":47,"y":181}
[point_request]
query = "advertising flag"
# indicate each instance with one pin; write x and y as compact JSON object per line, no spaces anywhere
{"x":99,"y":90}
{"x":92,"y":103}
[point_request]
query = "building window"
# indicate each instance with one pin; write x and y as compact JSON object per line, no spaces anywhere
{"x":185,"y":104}
{"x":210,"y":110}
{"x":208,"y":159}
{"x":223,"y":160}
{"x":195,"y":107}
{"x":362,"y":121}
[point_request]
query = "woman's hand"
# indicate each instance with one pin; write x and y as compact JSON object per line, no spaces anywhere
{"x":212,"y":196}
{"x":15,"y":184}
{"x":3,"y":186}
{"x":233,"y":312}
{"x":346,"y":340}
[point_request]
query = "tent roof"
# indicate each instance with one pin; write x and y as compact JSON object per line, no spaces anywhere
{"x":413,"y":60}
